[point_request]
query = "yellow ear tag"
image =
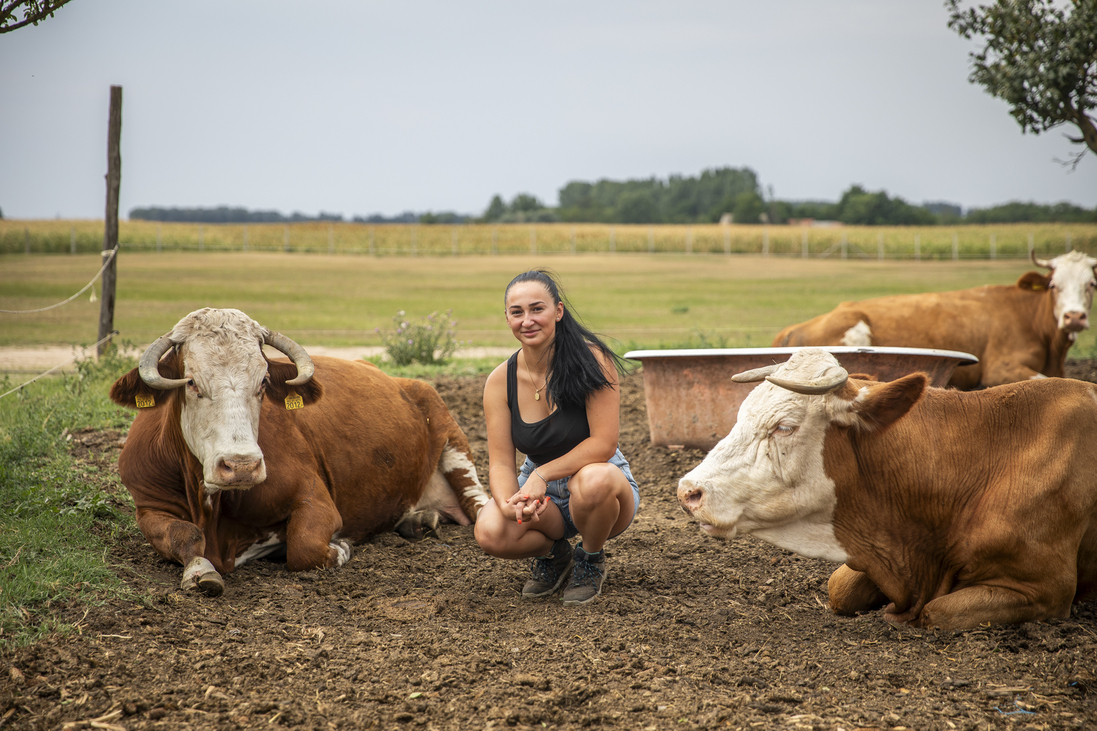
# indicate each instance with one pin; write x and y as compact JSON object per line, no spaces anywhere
{"x":144,"y":402}
{"x":1037,"y":287}
{"x":294,"y":401}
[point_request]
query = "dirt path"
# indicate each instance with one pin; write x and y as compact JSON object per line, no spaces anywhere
{"x":691,"y":633}
{"x":34,"y":360}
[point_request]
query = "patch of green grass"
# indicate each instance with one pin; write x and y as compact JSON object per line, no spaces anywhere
{"x":58,"y":512}
{"x":453,"y":367}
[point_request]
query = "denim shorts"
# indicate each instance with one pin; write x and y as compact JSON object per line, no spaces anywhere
{"x":558,"y":490}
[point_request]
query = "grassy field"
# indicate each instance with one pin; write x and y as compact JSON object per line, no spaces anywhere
{"x":641,"y":301}
{"x":855,"y":242}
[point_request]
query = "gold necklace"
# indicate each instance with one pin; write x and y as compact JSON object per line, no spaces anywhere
{"x":536,"y":391}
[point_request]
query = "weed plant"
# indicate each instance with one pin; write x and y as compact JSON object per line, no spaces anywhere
{"x":431,"y":341}
{"x":59,"y":513}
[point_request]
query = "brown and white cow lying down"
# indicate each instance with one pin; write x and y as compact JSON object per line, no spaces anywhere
{"x":234,"y":456}
{"x":953,"y":508}
{"x":1017,"y":332}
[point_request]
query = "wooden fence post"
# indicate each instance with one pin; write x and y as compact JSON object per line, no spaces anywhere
{"x":110,"y":233}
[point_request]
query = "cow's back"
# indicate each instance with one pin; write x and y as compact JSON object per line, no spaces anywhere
{"x":365,"y":438}
{"x":987,"y":322}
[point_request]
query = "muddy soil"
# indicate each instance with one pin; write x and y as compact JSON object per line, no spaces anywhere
{"x":689,"y":633}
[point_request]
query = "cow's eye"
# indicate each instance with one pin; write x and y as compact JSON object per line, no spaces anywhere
{"x":783,"y":430}
{"x":263,"y":386}
{"x":193,"y":388}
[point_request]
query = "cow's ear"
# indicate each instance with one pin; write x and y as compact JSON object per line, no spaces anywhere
{"x":134,"y":393}
{"x":864,"y":376}
{"x":309,"y":392}
{"x":881,"y":405}
{"x":130,"y":391}
{"x":1034,"y":281}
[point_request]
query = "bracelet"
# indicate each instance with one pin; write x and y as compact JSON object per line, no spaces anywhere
{"x":541,"y":476}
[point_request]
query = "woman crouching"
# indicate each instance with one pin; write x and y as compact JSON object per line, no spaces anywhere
{"x":556,"y":400}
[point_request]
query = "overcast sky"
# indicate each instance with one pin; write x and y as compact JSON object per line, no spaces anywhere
{"x":428,"y":105}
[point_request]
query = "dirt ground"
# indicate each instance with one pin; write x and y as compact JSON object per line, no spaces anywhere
{"x":689,"y":633}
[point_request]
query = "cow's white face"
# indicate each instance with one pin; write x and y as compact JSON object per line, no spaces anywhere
{"x":1073,"y":283}
{"x":226,"y":372}
{"x":767,"y":477}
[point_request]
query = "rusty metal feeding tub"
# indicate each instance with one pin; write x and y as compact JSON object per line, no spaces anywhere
{"x":692,"y":401}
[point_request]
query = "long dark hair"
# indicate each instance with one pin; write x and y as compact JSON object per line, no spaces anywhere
{"x":573,"y":371}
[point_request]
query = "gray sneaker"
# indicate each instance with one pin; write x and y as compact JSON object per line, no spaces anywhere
{"x":586,"y":578}
{"x":549,"y":572}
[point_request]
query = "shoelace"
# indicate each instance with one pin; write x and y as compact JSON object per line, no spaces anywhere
{"x":544,"y":569}
{"x":586,"y":571}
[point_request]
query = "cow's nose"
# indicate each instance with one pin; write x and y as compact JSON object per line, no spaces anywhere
{"x":690,"y":497}
{"x":1076,"y":321}
{"x":238,"y":470}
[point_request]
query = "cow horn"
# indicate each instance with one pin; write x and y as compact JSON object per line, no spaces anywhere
{"x":1045,"y":263}
{"x":755,"y":375}
{"x":294,"y":352}
{"x":824,"y":384}
{"x":148,"y":368}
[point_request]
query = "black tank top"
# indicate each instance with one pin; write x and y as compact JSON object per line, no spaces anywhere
{"x":552,"y":437}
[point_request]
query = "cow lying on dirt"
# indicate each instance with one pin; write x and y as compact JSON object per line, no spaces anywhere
{"x":1017,"y":332}
{"x":234,"y":456}
{"x":952,"y":508}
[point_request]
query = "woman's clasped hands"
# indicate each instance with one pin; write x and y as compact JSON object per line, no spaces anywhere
{"x":527,"y":507}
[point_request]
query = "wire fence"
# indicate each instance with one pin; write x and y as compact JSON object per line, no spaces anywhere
{"x":1013,"y":241}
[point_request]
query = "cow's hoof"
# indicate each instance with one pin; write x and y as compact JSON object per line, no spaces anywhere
{"x":418,"y":524}
{"x":202,"y":576}
{"x":343,"y":550}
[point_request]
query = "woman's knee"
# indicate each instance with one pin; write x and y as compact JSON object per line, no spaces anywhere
{"x":486,"y":532}
{"x":596,"y":484}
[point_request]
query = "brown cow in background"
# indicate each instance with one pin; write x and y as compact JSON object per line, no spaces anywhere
{"x":233,"y":456}
{"x":1017,"y":332}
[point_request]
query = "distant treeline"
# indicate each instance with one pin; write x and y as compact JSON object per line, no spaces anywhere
{"x":223,"y":214}
{"x":729,"y":194}
{"x":722,"y":194}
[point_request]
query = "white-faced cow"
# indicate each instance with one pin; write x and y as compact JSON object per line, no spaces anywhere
{"x":952,"y":508}
{"x":234,"y":456}
{"x":1017,"y":332}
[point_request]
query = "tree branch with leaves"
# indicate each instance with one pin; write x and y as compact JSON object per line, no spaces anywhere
{"x":1039,"y":58}
{"x":18,"y":13}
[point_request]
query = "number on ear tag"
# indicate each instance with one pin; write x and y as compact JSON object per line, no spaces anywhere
{"x":145,"y":402}
{"x":294,"y":401}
